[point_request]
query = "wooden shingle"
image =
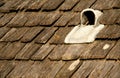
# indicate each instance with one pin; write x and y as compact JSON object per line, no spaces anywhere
{"x":19,"y":20}
{"x":43,"y":52}
{"x":114,"y":72}
{"x":102,"y":69}
{"x":73,"y":52}
{"x":101,"y":49}
{"x":15,"y":34}
{"x":68,"y":69}
{"x":2,"y":44}
{"x":68,"y":5}
{"x":52,"y":5}
{"x":58,"y":51}
{"x":5,"y":68}
{"x":115,"y":52}
{"x":1,"y":3}
{"x":32,"y":35}
{"x":10,"y":50}
{"x":75,"y":20}
{"x":64,"y":19}
{"x":106,"y":4}
{"x":36,"y":4}
{"x":1,"y":15}
{"x":37,"y":18}
{"x":24,"y":4}
{"x":112,"y":14}
{"x":20,"y":69}
{"x":83,"y":4}
{"x":6,"y":18}
{"x":48,"y":68}
{"x":34,"y":70}
{"x":3,"y":31}
{"x":45,"y":35}
{"x":27,"y":51}
{"x":110,"y":32}
{"x":51,"y":69}
{"x":85,"y":69}
{"x":49,"y":19}
{"x":7,"y":6}
{"x":60,"y":35}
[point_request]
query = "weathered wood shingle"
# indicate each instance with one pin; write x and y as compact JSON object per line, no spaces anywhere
{"x":60,"y":35}
{"x":27,"y":51}
{"x":112,"y":14}
{"x":10,"y":50}
{"x":52,"y":5}
{"x":68,"y":5}
{"x":20,"y":69}
{"x":19,"y":20}
{"x":115,"y":52}
{"x":43,"y":52}
{"x":14,"y":34}
{"x":32,"y":34}
{"x":83,"y":4}
{"x":64,"y":19}
{"x":106,"y":4}
{"x":36,"y":4}
{"x":6,"y":18}
{"x":45,"y":35}
{"x":5,"y":68}
{"x":3,"y":31}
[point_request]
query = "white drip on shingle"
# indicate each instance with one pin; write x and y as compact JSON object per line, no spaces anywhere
{"x":87,"y":31}
{"x":106,"y":46}
{"x":73,"y":65}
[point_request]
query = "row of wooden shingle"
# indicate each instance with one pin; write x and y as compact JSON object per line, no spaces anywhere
{"x":15,"y":5}
{"x":53,"y":35}
{"x":25,"y":51}
{"x":53,"y":18}
{"x":58,"y":69}
{"x":27,"y":34}
{"x":40,"y":18}
{"x":76,"y":5}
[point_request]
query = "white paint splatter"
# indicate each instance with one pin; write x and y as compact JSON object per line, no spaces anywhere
{"x":73,"y":65}
{"x":106,"y":46}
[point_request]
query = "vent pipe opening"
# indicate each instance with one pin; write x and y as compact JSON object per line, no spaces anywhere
{"x":87,"y":31}
{"x":88,"y":18}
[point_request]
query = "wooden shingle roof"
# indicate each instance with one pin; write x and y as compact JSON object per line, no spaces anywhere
{"x":32,"y":34}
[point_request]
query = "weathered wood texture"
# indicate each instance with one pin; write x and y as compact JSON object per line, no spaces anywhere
{"x":32,"y":34}
{"x":83,"y":4}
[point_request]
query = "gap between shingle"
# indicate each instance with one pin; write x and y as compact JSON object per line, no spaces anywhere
{"x":93,"y":4}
